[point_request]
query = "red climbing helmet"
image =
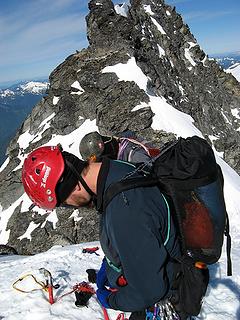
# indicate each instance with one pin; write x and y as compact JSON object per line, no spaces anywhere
{"x":42,"y":170}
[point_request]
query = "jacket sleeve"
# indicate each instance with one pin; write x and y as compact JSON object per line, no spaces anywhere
{"x":137,"y":240}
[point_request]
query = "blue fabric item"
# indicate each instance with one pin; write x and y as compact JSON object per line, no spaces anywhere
{"x":102,"y":295}
{"x":133,"y":230}
{"x":102,"y":275}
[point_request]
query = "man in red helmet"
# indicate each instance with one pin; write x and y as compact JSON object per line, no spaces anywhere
{"x":137,"y":234}
{"x":50,"y":175}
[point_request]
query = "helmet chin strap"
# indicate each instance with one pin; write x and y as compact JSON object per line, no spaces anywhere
{"x":80,"y":178}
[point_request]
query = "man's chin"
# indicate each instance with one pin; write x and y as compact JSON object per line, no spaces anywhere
{"x":89,"y":204}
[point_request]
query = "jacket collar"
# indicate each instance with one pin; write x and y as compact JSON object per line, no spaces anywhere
{"x":101,"y":182}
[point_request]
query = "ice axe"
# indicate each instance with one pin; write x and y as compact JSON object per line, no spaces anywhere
{"x":49,"y":284}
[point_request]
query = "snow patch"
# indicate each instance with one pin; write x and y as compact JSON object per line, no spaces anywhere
{"x":188,"y":57}
{"x":166,"y":117}
{"x":129,"y":72}
{"x":51,"y":217}
{"x":235,"y":113}
{"x":5,"y":215}
{"x":4,"y":165}
{"x":121,"y":9}
{"x":187,"y":54}
{"x":75,"y":216}
{"x":204,"y":61}
{"x":43,"y":127}
{"x":55,"y":100}
{"x":160,"y":28}
{"x":26,"y":138}
{"x":34,"y":87}
{"x":161,"y":51}
{"x":6,"y":93}
{"x":212,"y":139}
{"x":148,"y":9}
{"x":225,"y":117}
{"x":234,"y":70}
{"x":77,"y":85}
{"x":140,"y":106}
{"x":32,"y":226}
{"x":181,"y":89}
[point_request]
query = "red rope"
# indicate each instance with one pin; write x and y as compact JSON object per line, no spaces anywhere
{"x":79,"y":287}
{"x":83,"y":287}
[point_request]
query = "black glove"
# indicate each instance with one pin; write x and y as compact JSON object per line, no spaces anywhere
{"x":82,"y":298}
{"x":92,"y":275}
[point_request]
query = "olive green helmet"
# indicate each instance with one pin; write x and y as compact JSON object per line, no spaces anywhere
{"x":93,"y":146}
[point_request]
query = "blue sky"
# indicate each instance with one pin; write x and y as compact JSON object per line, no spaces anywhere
{"x":37,"y":35}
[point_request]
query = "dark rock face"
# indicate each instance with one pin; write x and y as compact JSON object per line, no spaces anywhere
{"x":177,"y":70}
{"x":7,"y":250}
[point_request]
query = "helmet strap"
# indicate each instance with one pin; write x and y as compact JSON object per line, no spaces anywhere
{"x":80,"y":178}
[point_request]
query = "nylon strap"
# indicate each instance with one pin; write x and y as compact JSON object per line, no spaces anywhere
{"x":80,"y":178}
{"x":40,"y":283}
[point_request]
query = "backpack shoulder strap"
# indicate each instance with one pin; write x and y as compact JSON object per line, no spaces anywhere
{"x":132,"y":183}
{"x":126,"y":184}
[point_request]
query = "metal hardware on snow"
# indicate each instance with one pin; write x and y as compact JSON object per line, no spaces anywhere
{"x":49,"y":283}
{"x":163,"y":310}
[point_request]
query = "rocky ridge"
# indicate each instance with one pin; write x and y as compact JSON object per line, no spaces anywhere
{"x":153,"y":34}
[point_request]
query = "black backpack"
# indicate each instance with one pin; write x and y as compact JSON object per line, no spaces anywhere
{"x":188,"y":176}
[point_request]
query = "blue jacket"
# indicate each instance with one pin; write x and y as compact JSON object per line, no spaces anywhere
{"x":133,"y":230}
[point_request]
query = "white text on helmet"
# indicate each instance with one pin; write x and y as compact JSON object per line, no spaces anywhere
{"x":45,"y":177}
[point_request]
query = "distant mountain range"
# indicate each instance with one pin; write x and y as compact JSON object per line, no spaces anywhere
{"x":16,"y":102}
{"x":230,"y":62}
{"x":227,"y":60}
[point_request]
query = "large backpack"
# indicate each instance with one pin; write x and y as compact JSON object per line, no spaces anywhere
{"x":189,"y":177}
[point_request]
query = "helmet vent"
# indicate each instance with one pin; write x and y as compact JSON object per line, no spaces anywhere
{"x":38,"y":171}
